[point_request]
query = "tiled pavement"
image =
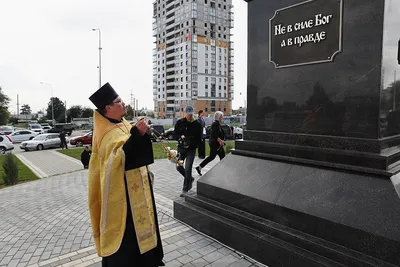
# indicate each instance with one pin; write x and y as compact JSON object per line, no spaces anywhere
{"x":47,"y":163}
{"x":46,"y":222}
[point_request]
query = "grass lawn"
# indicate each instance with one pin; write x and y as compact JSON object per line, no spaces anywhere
{"x":157,"y":150}
{"x":24,"y":173}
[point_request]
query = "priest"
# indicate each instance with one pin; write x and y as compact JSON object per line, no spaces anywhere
{"x":121,"y":200}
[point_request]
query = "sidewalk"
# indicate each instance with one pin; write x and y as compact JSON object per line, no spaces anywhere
{"x":46,"y":222}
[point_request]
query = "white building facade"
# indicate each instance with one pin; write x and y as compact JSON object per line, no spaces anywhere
{"x":193,"y":58}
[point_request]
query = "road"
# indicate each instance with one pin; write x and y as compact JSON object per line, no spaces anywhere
{"x":18,"y":150}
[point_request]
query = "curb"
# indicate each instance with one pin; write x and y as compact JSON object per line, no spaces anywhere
{"x":37,"y":171}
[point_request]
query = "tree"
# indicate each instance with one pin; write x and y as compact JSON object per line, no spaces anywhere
{"x":75,"y":112}
{"x":4,"y":113}
{"x":13,"y":120}
{"x":87,"y":112}
{"x":26,"y":109}
{"x":10,"y":175}
{"x":59,"y":110}
{"x":129,"y":112}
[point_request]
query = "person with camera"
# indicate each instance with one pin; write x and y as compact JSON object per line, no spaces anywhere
{"x":188,"y":131}
{"x":216,"y":141}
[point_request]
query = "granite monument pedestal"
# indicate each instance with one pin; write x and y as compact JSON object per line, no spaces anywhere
{"x":311,"y":183}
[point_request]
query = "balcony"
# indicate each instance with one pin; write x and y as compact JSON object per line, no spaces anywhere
{"x":170,"y":5}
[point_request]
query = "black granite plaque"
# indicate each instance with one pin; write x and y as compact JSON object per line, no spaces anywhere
{"x":306,"y":33}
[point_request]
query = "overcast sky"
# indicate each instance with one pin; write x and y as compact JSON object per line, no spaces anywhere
{"x":52,"y":41}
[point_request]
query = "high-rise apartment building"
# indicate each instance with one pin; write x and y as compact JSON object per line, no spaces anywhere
{"x":193,"y":58}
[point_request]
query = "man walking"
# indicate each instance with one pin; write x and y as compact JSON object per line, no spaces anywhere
{"x":202,"y":146}
{"x":188,"y":130}
{"x":216,"y":142}
{"x":121,"y":200}
{"x":63,"y":140}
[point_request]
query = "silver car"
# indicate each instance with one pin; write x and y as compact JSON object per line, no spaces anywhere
{"x":41,"y":142}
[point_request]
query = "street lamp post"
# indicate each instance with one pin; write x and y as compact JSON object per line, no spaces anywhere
{"x":52,"y":101}
{"x":97,"y":29}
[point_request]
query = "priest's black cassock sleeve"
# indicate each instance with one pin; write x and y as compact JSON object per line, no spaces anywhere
{"x":138,"y":152}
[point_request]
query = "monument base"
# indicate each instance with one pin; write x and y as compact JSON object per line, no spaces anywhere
{"x":288,"y":214}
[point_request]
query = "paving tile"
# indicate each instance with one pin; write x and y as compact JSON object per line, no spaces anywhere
{"x":213,"y":256}
{"x":56,"y":220}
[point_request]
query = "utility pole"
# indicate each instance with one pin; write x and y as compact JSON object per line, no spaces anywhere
{"x":100,"y":48}
{"x":17,"y":106}
{"x":65,"y":111}
{"x":132,"y":106}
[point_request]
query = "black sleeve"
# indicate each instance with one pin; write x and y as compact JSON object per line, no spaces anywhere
{"x":178,"y":129}
{"x":138,"y":150}
{"x":200,"y":132}
{"x":214,"y":131}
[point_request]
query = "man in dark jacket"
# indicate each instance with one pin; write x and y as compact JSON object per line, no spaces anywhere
{"x":216,"y":142}
{"x":202,"y":146}
{"x":188,"y":132}
{"x":85,"y":157}
{"x":63,"y":140}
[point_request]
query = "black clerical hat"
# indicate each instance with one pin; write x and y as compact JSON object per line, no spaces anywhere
{"x":104,"y":96}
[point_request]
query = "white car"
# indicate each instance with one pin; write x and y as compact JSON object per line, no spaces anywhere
{"x":22,"y":135}
{"x":238,"y":132}
{"x":41,"y":142}
{"x":5,"y":144}
{"x":46,"y":128}
{"x":37,"y":128}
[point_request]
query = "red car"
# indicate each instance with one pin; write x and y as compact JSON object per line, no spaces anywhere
{"x":82,"y":140}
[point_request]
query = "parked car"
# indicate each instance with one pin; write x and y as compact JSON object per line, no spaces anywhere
{"x":6,"y":130}
{"x":227,"y":131}
{"x":158,"y":130}
{"x":5,"y":144}
{"x":22,"y":135}
{"x":46,"y":128}
{"x":36,"y":128}
{"x":59,"y":127}
{"x":238,"y":132}
{"x":169,"y":134}
{"x":41,"y":142}
{"x":82,"y":140}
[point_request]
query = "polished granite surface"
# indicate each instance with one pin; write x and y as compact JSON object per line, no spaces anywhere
{"x":339,"y":98}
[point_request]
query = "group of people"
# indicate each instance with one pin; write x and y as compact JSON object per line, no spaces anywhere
{"x":120,"y":183}
{"x":191,"y":135}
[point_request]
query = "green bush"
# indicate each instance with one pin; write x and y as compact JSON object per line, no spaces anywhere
{"x":10,"y":176}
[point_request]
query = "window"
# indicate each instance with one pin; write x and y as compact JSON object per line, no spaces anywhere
{"x":206,"y":79}
{"x":206,"y":71}
{"x":206,"y":86}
